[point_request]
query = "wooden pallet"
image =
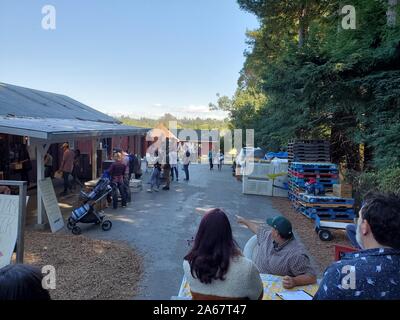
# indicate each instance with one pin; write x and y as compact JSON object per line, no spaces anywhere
{"x":326,"y":205}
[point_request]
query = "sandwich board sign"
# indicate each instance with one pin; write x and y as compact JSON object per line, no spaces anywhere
{"x":9,"y":212}
{"x":51,"y":205}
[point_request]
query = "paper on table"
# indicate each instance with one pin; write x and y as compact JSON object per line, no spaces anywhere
{"x":295,"y":295}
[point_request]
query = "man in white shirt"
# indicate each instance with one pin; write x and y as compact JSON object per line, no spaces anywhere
{"x":173,"y":160}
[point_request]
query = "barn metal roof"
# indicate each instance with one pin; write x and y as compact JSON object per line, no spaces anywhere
{"x":24,"y":102}
{"x":54,"y":117}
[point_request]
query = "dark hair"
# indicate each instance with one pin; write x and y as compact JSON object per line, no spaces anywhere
{"x":213,"y":248}
{"x":22,"y":282}
{"x":382,"y":212}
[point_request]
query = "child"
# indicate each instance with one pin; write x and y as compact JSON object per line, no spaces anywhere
{"x":155,"y":177}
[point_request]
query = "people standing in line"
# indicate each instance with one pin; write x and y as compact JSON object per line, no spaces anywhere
{"x":173,"y":160}
{"x":48,"y":165}
{"x":221,"y":159}
{"x":211,"y":159}
{"x":24,"y":160}
{"x":117,"y":172}
{"x":186,"y":163}
{"x":67,"y":166}
{"x":77,"y":170}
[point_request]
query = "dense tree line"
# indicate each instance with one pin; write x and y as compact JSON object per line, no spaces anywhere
{"x":182,"y":123}
{"x":306,"y":76}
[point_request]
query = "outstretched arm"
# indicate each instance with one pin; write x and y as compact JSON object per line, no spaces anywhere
{"x":254,"y":227}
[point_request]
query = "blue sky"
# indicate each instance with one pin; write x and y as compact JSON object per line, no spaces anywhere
{"x":143,"y":58}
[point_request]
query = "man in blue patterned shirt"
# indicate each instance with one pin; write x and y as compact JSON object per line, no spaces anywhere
{"x":374,"y":272}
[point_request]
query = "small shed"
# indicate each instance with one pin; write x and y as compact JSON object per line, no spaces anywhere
{"x":44,"y":118}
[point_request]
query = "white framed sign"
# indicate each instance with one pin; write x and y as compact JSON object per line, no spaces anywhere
{"x":9,"y":210}
{"x":51,"y":206}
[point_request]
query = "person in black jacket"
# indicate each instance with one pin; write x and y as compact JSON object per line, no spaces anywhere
{"x":24,"y":159}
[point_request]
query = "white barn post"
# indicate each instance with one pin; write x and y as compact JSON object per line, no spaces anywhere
{"x":41,"y":150}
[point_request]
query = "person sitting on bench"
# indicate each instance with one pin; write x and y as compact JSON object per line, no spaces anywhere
{"x":279,"y":253}
{"x":372,"y":273}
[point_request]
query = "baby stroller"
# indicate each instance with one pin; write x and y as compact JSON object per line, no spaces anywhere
{"x":87,"y":212}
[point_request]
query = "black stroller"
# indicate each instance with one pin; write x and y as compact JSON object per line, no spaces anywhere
{"x":87,"y":212}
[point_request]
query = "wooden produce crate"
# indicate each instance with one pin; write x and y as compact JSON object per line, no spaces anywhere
{"x":343,"y":190}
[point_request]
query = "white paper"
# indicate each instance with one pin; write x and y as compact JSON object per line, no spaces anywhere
{"x":295,"y":295}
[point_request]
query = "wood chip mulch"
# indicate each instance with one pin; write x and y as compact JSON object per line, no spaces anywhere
{"x":86,"y":269}
{"x":323,"y":252}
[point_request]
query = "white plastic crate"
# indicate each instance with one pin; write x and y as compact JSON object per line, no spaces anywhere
{"x":257,"y":186}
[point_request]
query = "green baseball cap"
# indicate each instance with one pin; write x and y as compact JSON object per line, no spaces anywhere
{"x":282,"y":225}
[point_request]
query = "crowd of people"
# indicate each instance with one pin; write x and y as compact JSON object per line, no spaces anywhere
{"x":168,"y":169}
{"x":217,"y":269}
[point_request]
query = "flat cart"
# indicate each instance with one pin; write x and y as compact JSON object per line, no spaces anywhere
{"x":323,"y":227}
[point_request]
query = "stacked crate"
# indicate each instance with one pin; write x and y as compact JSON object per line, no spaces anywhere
{"x":326,"y":207}
{"x":309,"y":151}
{"x":300,"y":173}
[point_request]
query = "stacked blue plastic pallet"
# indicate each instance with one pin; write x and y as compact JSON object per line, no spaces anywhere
{"x":300,"y":173}
{"x":326,"y":207}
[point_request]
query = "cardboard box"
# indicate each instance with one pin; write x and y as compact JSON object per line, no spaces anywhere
{"x":343,"y":190}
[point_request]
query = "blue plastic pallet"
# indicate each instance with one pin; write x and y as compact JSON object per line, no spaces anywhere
{"x":313,"y":165}
{"x":325,"y":199}
{"x":319,"y":180}
{"x":332,"y":211}
{"x":302,"y":184}
{"x":326,"y":215}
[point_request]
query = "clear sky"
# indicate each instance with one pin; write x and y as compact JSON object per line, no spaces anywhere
{"x":138,"y":57}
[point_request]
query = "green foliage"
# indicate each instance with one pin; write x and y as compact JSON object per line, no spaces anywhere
{"x":306,"y":77}
{"x":196,"y":124}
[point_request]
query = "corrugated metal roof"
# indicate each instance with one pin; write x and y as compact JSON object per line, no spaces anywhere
{"x":54,"y":117}
{"x":24,"y":102}
{"x":61,"y":129}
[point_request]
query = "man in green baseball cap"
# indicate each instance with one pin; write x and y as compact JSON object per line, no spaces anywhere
{"x":276,"y":251}
{"x":282,"y":226}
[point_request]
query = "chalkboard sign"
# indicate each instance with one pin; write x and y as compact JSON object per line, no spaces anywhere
{"x":9,"y":209}
{"x":51,"y":205}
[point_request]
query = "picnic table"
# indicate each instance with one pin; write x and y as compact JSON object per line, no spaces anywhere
{"x":272,"y":285}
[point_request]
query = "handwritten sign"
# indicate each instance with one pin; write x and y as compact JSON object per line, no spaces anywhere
{"x":51,"y":205}
{"x":9,"y":209}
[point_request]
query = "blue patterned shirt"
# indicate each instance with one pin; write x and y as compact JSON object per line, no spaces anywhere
{"x":370,"y":274}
